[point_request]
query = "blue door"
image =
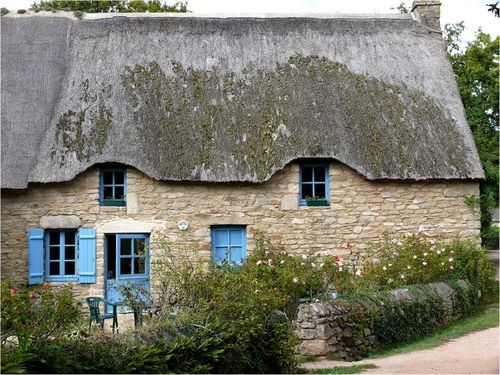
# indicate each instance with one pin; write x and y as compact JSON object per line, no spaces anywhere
{"x":228,"y":244}
{"x":127,"y":264}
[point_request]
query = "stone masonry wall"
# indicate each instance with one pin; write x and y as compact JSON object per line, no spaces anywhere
{"x":360,"y":212}
{"x":328,"y":327}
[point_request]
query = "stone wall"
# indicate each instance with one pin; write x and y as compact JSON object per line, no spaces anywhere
{"x":360,"y":212}
{"x":332,"y":327}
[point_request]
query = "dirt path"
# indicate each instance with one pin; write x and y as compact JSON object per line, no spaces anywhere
{"x":476,"y":353}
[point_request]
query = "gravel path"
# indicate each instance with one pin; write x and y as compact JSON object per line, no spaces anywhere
{"x":476,"y":353}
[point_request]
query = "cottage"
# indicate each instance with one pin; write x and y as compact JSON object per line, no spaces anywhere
{"x":322,"y":131}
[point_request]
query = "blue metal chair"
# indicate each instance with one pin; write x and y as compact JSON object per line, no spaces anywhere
{"x":98,"y":316}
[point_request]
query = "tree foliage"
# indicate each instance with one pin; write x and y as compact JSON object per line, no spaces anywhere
{"x":476,"y":71}
{"x":110,"y":6}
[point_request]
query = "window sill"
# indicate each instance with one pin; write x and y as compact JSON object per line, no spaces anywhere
{"x":317,"y":203}
{"x":58,"y":279}
{"x":113,"y":203}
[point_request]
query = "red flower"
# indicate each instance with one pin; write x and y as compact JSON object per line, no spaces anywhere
{"x":13,"y":291}
{"x":46,"y":287}
{"x":34,"y":296}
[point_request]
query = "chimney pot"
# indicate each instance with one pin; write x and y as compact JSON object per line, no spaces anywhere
{"x":427,"y":12}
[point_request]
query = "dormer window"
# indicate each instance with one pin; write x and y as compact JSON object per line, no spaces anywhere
{"x":113,"y":188}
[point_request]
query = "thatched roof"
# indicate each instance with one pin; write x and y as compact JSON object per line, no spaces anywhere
{"x":229,"y":98}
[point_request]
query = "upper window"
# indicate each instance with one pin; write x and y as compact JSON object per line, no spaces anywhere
{"x":314,"y":184}
{"x":113,"y":188}
{"x":229,"y":244}
{"x":61,"y":253}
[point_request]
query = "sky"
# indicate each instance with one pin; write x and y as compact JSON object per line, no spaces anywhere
{"x":473,"y":12}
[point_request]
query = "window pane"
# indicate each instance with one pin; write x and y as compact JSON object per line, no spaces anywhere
{"x":69,"y":268}
{"x":54,"y":238}
{"x":236,"y":254}
{"x":140,"y":265}
{"x":307,"y":191}
{"x":139,"y":246}
{"x":108,"y":192}
{"x":119,"y":192}
{"x":220,"y":254}
{"x":126,"y":246}
{"x":235,"y":237}
{"x":319,"y":190}
{"x":319,"y":174}
{"x":69,"y":253}
{"x":107,"y":177}
{"x":119,"y":180}
{"x":221,"y":238}
{"x":125,"y":266}
{"x":307,"y":174}
{"x":54,"y":268}
{"x":54,"y":253}
{"x":69,"y":238}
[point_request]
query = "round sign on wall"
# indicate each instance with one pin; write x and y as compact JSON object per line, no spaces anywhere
{"x":183,"y":225}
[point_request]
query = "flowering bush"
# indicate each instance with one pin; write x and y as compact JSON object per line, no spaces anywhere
{"x":36,"y":313}
{"x":418,"y":259}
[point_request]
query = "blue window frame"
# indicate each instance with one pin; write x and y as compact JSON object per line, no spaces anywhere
{"x":229,"y":244}
{"x":132,"y":255}
{"x":113,"y":186}
{"x":61,"y":255}
{"x":314,"y":184}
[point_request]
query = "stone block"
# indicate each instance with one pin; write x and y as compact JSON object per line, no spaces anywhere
{"x":60,"y":222}
{"x":313,"y":347}
{"x":320,"y":309}
{"x":324,"y":331}
{"x":306,"y":334}
{"x":132,"y":204}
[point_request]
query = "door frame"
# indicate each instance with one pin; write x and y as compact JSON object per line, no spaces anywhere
{"x":117,"y":279}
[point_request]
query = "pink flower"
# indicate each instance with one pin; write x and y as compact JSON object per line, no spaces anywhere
{"x":13,"y":291}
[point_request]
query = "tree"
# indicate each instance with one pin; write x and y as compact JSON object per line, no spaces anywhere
{"x":493,"y":8}
{"x":401,"y":8}
{"x":107,"y":6}
{"x":476,"y":71}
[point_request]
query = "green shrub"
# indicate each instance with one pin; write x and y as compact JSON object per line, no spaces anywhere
{"x":36,"y":313}
{"x":418,"y":259}
{"x":491,"y":237}
{"x":394,"y":321}
{"x":255,"y":300}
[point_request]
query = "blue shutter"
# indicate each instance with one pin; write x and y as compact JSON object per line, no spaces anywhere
{"x":35,"y":256}
{"x":86,"y":245}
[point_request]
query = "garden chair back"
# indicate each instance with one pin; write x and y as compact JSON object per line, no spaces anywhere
{"x":94,"y":304}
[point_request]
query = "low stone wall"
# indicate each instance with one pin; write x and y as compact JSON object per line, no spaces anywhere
{"x":357,"y":326}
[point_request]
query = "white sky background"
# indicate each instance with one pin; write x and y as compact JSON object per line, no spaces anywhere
{"x":473,"y":12}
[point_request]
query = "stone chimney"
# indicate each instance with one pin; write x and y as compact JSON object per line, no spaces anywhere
{"x":427,"y":12}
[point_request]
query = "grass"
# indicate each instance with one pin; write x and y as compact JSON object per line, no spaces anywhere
{"x":487,"y":317}
{"x":305,"y":358}
{"x":356,"y":369}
